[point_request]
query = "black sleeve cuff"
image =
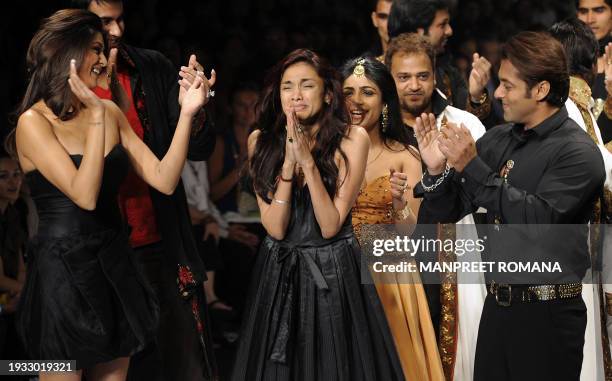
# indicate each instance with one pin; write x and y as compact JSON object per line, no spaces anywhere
{"x":474,"y":176}
{"x":420,"y":192}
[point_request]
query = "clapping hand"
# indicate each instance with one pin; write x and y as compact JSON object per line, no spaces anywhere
{"x":479,"y":77}
{"x":196,"y":96}
{"x":189,"y":73}
{"x":427,"y":135}
{"x":457,"y":145}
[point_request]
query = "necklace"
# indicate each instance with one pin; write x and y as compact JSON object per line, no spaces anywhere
{"x":377,"y":156}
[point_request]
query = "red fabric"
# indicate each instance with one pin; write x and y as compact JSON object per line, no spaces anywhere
{"x":134,"y":197}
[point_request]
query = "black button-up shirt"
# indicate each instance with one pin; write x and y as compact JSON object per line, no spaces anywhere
{"x":556,"y":176}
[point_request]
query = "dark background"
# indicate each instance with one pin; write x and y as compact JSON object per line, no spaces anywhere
{"x":242,"y":38}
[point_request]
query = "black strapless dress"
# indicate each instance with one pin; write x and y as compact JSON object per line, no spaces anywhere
{"x":84,"y":299}
{"x":308,"y":317}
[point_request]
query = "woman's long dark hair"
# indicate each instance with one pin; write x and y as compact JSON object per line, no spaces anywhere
{"x":65,"y":35}
{"x":269,"y":154}
{"x":378,"y":73}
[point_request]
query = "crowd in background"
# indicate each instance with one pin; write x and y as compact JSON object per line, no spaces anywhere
{"x":241,"y":39}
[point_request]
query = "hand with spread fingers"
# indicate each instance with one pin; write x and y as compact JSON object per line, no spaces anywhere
{"x":607,"y":60}
{"x":299,"y":143}
{"x":479,"y":77}
{"x":84,"y":93}
{"x":457,"y":145}
{"x":189,"y":73}
{"x":427,"y":135}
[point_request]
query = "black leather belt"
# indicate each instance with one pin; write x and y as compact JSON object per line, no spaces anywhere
{"x":505,"y":294}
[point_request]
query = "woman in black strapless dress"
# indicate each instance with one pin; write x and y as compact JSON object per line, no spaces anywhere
{"x":84,"y":299}
{"x":308,"y":316}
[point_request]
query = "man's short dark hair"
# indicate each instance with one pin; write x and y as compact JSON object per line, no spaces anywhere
{"x":537,"y":56}
{"x":406,"y":16}
{"x":410,"y":43}
{"x":374,"y":3}
{"x":84,"y":4}
{"x":609,"y":2}
{"x":581,"y":47}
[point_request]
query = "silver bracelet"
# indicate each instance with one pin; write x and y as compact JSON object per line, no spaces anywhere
{"x":438,"y":181}
{"x":282,"y":202}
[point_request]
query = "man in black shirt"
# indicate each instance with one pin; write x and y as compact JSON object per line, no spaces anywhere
{"x":535,"y":172}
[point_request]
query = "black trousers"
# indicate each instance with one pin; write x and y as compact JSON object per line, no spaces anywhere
{"x":176,"y":353}
{"x":531,"y":341}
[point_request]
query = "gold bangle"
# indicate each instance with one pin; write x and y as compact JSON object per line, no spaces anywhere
{"x":281,"y":202}
{"x":402,"y":214}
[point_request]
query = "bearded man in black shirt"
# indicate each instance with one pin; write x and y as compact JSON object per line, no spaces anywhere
{"x":537,"y":176}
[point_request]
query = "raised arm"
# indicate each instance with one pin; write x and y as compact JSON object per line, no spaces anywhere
{"x":330,"y":214}
{"x":164,"y":174}
{"x":275,"y":216}
{"x":202,"y":141}
{"x":38,"y":148}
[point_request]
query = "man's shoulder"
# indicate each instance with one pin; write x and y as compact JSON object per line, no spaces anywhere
{"x":572,"y":130}
{"x":495,"y":133}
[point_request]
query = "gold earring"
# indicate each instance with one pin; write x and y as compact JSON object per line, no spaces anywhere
{"x":385,"y":117}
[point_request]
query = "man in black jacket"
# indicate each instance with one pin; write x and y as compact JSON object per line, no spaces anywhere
{"x":146,"y":86}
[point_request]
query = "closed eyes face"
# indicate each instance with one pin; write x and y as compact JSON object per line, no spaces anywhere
{"x":364,"y":101}
{"x":302,"y":91}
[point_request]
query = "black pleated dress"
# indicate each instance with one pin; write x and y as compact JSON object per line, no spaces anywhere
{"x":84,"y":299}
{"x":308,"y":317}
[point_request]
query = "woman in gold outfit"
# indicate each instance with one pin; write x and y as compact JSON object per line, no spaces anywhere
{"x":393,"y":168}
